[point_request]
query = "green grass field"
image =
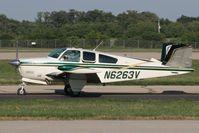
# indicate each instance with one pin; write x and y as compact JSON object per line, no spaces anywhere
{"x":98,"y":109}
{"x":9,"y":75}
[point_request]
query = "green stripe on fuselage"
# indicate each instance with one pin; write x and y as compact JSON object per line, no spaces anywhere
{"x":70,"y":66}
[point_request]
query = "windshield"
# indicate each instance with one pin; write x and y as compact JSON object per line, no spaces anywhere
{"x":71,"y":55}
{"x":57,"y":52}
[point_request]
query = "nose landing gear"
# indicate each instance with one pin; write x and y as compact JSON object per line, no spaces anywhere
{"x":21,"y":90}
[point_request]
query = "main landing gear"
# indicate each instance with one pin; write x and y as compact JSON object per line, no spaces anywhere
{"x":75,"y":84}
{"x":21,"y":90}
{"x":70,"y":92}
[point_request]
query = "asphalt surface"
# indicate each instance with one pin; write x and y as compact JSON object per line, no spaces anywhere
{"x":101,"y":126}
{"x":107,"y":92}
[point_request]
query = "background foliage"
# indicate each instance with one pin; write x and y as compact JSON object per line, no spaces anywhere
{"x":97,"y":24}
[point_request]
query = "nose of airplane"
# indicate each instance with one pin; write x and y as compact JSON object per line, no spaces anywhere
{"x":15,"y":62}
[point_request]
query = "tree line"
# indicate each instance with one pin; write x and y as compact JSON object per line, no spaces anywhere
{"x":97,"y":24}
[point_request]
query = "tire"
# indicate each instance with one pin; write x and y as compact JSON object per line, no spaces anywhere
{"x":75,"y":94}
{"x":67,"y":89}
{"x":21,"y":91}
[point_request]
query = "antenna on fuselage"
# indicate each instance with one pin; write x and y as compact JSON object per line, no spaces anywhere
{"x":98,"y":45}
{"x":17,"y":50}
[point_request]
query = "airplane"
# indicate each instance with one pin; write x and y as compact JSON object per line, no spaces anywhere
{"x":76,"y":67}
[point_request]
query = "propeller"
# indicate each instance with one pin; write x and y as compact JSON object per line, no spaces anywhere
{"x":16,"y":62}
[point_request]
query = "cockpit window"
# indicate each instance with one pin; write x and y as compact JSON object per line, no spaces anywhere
{"x":88,"y":56}
{"x":56,"y":53}
{"x":71,"y":56}
{"x":106,"y":59}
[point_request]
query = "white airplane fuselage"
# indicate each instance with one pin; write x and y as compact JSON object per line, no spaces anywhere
{"x":76,"y":67}
{"x":125,"y":69}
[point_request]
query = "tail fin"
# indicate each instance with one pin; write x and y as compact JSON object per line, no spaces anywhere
{"x":176,"y":55}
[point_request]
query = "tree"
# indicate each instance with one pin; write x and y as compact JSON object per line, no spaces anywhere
{"x":6,"y":36}
{"x":148,"y":17}
{"x":58,"y":19}
{"x":135,"y":30}
{"x":190,"y":37}
{"x":192,"y":26}
{"x":79,"y":30}
{"x":113,"y":30}
{"x":94,"y":38}
{"x":130,"y":24}
{"x":175,"y":30}
{"x":184,"y":19}
{"x":148,"y":35}
{"x":98,"y":16}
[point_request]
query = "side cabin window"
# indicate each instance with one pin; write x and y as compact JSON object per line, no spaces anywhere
{"x":107,"y":59}
{"x":71,"y":56}
{"x":89,"y":57}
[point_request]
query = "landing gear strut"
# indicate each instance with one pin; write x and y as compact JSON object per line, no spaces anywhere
{"x":21,"y":90}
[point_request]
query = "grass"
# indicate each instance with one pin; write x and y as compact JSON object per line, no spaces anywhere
{"x":3,"y":50}
{"x":98,"y":109}
{"x":9,"y":75}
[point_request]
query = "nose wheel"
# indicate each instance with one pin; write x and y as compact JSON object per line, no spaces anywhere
{"x":21,"y":90}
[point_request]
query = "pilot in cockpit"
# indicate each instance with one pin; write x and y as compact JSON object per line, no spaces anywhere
{"x":71,"y":55}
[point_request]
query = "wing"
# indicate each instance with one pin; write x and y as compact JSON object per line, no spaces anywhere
{"x":75,"y":73}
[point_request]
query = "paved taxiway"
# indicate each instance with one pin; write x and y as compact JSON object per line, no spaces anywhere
{"x":103,"y":92}
{"x":101,"y":126}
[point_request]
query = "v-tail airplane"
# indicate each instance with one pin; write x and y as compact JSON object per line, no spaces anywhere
{"x":76,"y":67}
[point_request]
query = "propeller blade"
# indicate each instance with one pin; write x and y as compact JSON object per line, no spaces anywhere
{"x":17,"y":49}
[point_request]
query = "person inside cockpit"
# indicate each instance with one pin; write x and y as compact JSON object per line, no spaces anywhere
{"x":71,"y":56}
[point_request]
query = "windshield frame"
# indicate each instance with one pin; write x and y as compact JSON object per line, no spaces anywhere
{"x":56,"y":53}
